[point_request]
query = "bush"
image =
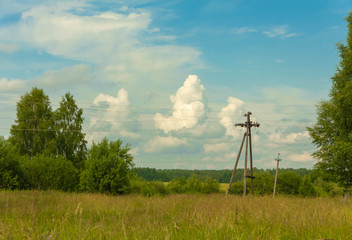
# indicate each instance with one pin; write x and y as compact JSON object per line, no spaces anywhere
{"x":306,"y":189}
{"x":11,"y":175}
{"x":177,"y":185}
{"x":210,"y":186}
{"x":45,"y":172}
{"x":263,"y":184}
{"x":108,"y":168}
{"x":237,"y":188}
{"x":194,"y":184}
{"x":288,"y":183}
{"x":145,"y":188}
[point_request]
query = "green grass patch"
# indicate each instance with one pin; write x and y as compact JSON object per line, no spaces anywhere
{"x":56,"y":215}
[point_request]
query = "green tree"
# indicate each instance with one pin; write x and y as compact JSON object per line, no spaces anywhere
{"x":32,"y":133}
{"x":194,"y":184}
{"x":263,"y":183}
{"x":210,"y":185}
{"x":108,"y":168}
{"x":68,"y":128}
{"x":306,"y":189}
{"x":332,"y":134}
{"x":11,"y":175}
{"x":177,"y":185}
{"x":288,"y":183}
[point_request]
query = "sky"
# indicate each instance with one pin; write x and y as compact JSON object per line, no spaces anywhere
{"x":171,"y":78}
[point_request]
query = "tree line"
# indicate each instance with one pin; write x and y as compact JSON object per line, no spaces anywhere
{"x":222,"y":176}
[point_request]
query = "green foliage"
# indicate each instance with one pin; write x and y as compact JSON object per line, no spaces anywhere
{"x":223,"y":176}
{"x":306,"y":189}
{"x":108,"y":168}
{"x":332,"y":134}
{"x":177,"y":185}
{"x":263,"y":183}
{"x":327,"y":189}
{"x":11,"y":175}
{"x":44,"y":172}
{"x":194,"y":184}
{"x":32,"y":133}
{"x":68,"y":127}
{"x":210,"y":186}
{"x":38,"y":130}
{"x":145,"y":188}
{"x":237,"y":188}
{"x":288,"y":183}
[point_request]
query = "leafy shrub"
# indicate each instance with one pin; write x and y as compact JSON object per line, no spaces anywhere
{"x":237,"y":188}
{"x":327,"y":189}
{"x":194,"y":184}
{"x":177,"y":185}
{"x":210,"y":186}
{"x":45,"y":172}
{"x":108,"y":168}
{"x":306,"y":189}
{"x":288,"y":183}
{"x":11,"y":175}
{"x":263,"y":184}
{"x":145,"y":188}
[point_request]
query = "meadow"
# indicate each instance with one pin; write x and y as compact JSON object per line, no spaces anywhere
{"x":57,"y":215}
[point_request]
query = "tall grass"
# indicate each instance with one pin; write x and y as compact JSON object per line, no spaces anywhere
{"x":56,"y":215}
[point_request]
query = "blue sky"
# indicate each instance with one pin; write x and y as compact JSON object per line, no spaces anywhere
{"x":172,"y":77}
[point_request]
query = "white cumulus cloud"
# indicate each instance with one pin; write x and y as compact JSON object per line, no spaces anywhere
{"x":217,"y":147}
{"x":188,"y":107}
{"x":7,"y":85}
{"x":228,"y":114}
{"x":115,"y":116}
{"x":158,"y":143}
{"x":301,"y":158}
{"x":290,"y":138}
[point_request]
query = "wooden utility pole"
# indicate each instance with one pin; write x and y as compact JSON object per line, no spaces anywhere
{"x":248,"y":138}
{"x":277,"y":169}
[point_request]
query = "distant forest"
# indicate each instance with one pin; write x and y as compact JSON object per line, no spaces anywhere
{"x":223,"y":176}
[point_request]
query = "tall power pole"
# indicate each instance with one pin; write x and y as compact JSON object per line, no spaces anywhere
{"x":248,"y":138}
{"x":277,"y":169}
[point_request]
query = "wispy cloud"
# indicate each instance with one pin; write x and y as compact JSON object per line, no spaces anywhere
{"x":243,"y":30}
{"x":8,"y":48}
{"x":279,"y":31}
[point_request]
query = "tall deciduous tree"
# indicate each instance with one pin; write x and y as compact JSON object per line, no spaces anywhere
{"x":68,"y":127}
{"x":33,"y":133}
{"x":332,"y":134}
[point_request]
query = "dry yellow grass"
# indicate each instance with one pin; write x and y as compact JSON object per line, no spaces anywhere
{"x":55,"y":215}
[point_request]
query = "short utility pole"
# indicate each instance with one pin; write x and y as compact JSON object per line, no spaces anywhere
{"x":247,"y":137}
{"x":277,"y":169}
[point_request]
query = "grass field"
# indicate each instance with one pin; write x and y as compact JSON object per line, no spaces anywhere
{"x":55,"y":215}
